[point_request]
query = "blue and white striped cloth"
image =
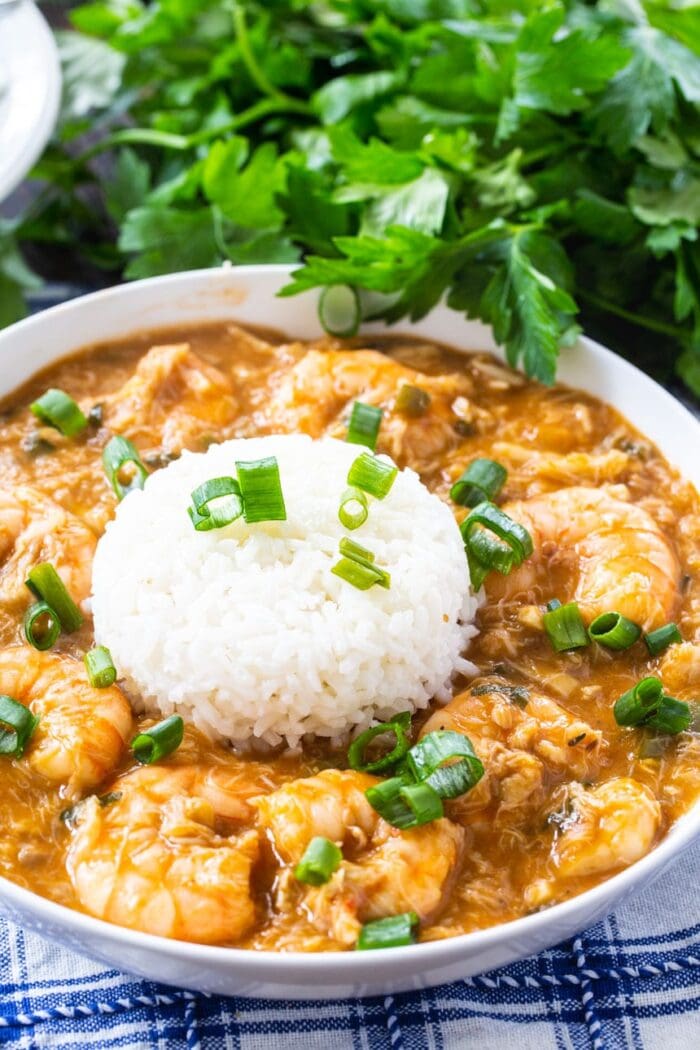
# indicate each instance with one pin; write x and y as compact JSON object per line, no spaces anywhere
{"x":630,"y":983}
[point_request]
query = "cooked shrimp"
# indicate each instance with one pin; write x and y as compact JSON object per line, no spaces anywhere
{"x":175,"y":392}
{"x":82,"y":730}
{"x":390,"y":871}
{"x":152,"y":859}
{"x":34,"y":529}
{"x":611,"y":826}
{"x":535,"y":471}
{"x":315,"y":396}
{"x":598,"y":550}
{"x":680,"y":670}
{"x":519,"y":736}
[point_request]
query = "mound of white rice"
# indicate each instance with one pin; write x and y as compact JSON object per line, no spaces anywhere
{"x":247,"y":632}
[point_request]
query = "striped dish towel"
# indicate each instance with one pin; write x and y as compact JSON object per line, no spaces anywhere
{"x":629,"y":983}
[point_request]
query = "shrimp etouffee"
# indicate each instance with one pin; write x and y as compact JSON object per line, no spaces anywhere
{"x":563,"y":756}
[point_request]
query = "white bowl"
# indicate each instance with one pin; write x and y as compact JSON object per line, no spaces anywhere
{"x":247,"y":295}
{"x":30,"y":90}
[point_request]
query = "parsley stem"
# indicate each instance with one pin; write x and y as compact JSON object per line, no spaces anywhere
{"x":257,"y":74}
{"x":166,"y":140}
{"x":627,"y":315}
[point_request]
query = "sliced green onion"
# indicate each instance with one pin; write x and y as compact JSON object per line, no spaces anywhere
{"x":351,"y":549}
{"x":672,"y":716}
{"x":614,"y":631}
{"x":57,"y":409}
{"x":411,"y":401}
{"x":356,"y":751}
{"x":647,"y":705}
{"x":123,"y":466}
{"x":321,"y":858}
{"x":372,"y":475}
{"x":639,"y":702}
{"x":46,"y":584}
{"x":357,"y":567}
{"x":261,"y":490}
{"x":661,"y":638}
{"x":201,"y":522}
{"x":389,"y":801}
{"x":424,"y":803}
{"x":215,"y":504}
{"x":393,"y":932}
{"x":41,"y":626}
{"x":100,"y":668}
{"x":510,"y":545}
{"x":339,"y":310}
{"x":21,"y":723}
{"x":360,"y":575}
{"x":565,"y":627}
{"x":482,"y":480}
{"x":426,"y":761}
{"x":363,"y":428}
{"x":353,"y":508}
{"x":159,"y":741}
{"x":385,"y":798}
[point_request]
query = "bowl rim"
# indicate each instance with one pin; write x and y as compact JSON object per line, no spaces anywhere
{"x":350,"y":965}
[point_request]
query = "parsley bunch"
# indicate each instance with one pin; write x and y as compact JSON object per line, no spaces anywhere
{"x":534,"y":162}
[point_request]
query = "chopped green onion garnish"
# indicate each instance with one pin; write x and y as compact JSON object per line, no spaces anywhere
{"x":321,"y":858}
{"x":423,"y":801}
{"x":614,"y":631}
{"x":672,"y":716}
{"x":360,"y":575}
{"x":159,"y":741}
{"x":426,"y":761}
{"x":363,"y":428}
{"x":215,"y":504}
{"x":386,"y":798}
{"x":647,"y":705}
{"x":393,"y":932}
{"x":411,"y":401}
{"x":21,"y":723}
{"x":57,"y":409}
{"x":339,"y":310}
{"x":482,"y":480}
{"x":46,"y":584}
{"x":357,"y":567}
{"x":503,"y":551}
{"x":41,"y":626}
{"x":661,"y":638}
{"x":261,"y":490}
{"x":101,"y":671}
{"x":565,"y":627}
{"x":353,"y":508}
{"x":372,"y":475}
{"x":354,"y":550}
{"x":123,"y":467}
{"x":356,"y":751}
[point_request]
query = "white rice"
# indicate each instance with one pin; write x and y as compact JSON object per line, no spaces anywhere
{"x":246,"y":631}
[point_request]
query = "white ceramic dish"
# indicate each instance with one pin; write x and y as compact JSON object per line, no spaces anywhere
{"x":247,"y":295}
{"x":30,"y":90}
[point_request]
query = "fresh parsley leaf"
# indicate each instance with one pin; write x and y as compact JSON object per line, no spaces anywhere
{"x":558,"y":71}
{"x":516,"y":158}
{"x":165,"y":239}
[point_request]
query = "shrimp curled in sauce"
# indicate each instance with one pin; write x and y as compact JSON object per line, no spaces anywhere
{"x":391,"y":871}
{"x":612,"y":825}
{"x":153,"y":860}
{"x":33,"y":529}
{"x":82,"y":731}
{"x":606,"y":554}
